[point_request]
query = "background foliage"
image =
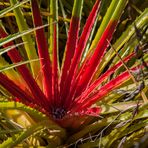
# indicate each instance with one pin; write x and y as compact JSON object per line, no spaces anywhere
{"x":123,"y":121}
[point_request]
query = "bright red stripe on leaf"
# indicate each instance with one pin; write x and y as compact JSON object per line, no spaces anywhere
{"x":107,"y":88}
{"x":14,"y":89}
{"x":94,"y":111}
{"x":20,"y":95}
{"x":13,"y":54}
{"x":43,"y":51}
{"x":99,"y":94}
{"x":26,"y":75}
{"x":73,"y":86}
{"x":80,"y":48}
{"x":55,"y":69}
{"x":85,"y":102}
{"x":96,"y":58}
{"x":70,"y":49}
{"x":96,"y":83}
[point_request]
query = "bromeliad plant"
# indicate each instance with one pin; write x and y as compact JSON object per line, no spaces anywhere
{"x":71,"y":94}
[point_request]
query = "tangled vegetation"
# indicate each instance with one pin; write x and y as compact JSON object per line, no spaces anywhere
{"x":73,"y":73}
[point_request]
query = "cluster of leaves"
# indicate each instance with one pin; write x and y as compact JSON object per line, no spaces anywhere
{"x":73,"y":73}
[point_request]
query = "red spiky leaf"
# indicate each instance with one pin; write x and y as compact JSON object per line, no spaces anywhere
{"x":26,"y":75}
{"x":79,"y":49}
{"x":43,"y":51}
{"x":70,"y":49}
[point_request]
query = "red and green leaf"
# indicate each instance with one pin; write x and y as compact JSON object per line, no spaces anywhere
{"x":26,"y":75}
{"x":71,"y":41}
{"x":79,"y":49}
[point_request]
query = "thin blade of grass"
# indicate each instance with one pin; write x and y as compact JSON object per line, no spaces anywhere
{"x":19,"y":34}
{"x":132,"y":77}
{"x":6,"y":10}
{"x":11,"y":66}
{"x":30,"y":47}
{"x":4,"y":50}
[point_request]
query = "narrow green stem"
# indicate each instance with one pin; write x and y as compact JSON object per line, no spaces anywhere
{"x":113,"y":13}
{"x":30,"y":49}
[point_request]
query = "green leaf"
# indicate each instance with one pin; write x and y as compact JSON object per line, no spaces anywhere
{"x":19,"y":106}
{"x":113,"y":13}
{"x":4,"y":50}
{"x":11,"y":66}
{"x":30,"y":48}
{"x":8,"y":9}
{"x":141,"y":21}
{"x":19,"y":34}
{"x":46,"y":124}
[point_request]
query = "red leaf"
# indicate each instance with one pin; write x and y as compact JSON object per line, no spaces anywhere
{"x":96,"y":58}
{"x":14,"y":89}
{"x":80,"y":47}
{"x":83,"y":103}
{"x":26,"y":75}
{"x":43,"y":51}
{"x":73,"y":87}
{"x":94,"y":111}
{"x":96,"y":83}
{"x":55,"y":70}
{"x":70,"y":49}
